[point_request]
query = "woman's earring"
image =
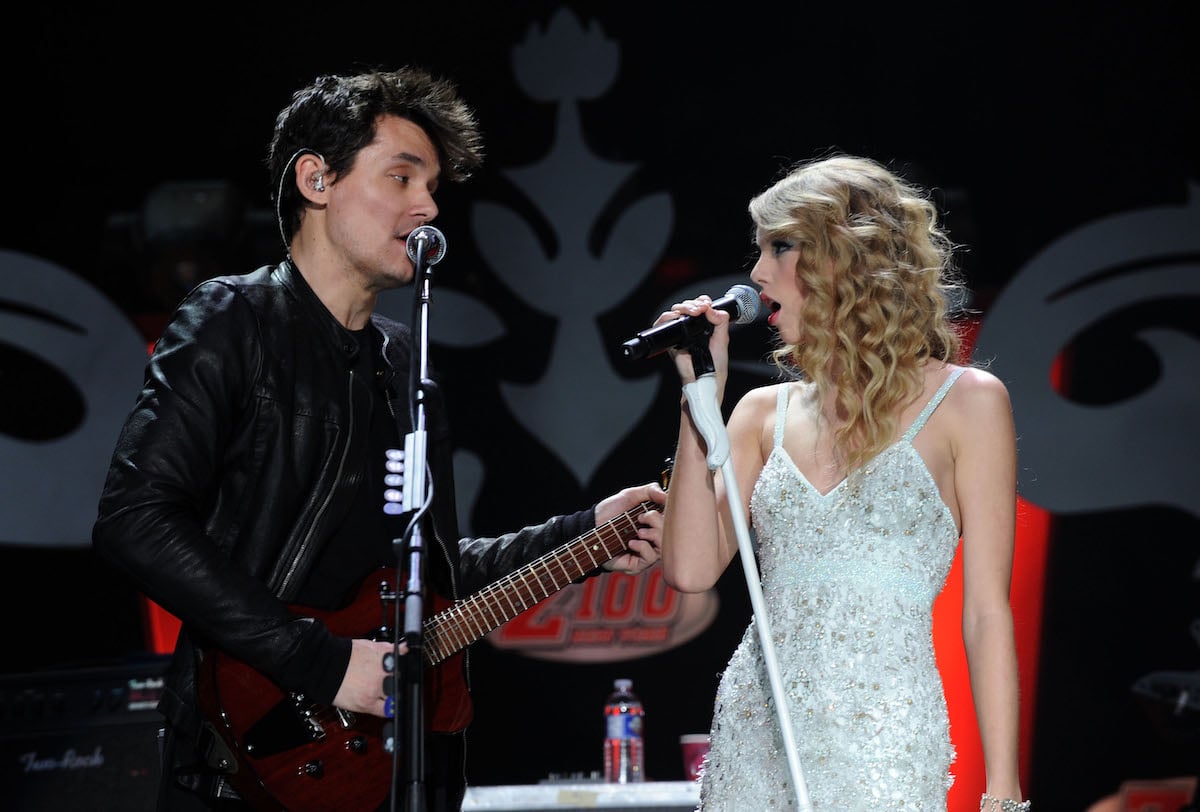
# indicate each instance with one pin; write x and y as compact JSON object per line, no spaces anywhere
{"x":319,"y":181}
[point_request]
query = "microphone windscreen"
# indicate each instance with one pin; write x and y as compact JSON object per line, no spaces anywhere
{"x":748,"y":303}
{"x":435,"y":244}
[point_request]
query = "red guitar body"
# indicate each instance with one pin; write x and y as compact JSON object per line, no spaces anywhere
{"x":292,"y":754}
{"x":296,"y":755}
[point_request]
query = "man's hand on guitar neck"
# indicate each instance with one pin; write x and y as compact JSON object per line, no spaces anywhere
{"x":362,"y":687}
{"x":643,"y":551}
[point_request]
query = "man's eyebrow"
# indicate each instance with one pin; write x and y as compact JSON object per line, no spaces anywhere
{"x":409,"y":157}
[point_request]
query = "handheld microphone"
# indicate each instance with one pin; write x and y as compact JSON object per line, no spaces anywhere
{"x":433,"y":241}
{"x":741,"y":302}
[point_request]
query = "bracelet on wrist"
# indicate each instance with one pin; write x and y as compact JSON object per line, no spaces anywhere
{"x":990,"y":803}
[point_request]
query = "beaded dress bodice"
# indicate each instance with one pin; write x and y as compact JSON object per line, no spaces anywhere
{"x":849,"y":579}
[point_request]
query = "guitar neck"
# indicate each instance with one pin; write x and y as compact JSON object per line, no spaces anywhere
{"x":457,"y":626}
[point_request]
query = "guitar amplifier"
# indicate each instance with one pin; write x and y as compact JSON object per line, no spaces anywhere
{"x":81,"y":740}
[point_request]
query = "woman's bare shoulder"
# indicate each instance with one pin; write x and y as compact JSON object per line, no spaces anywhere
{"x":762,"y":399}
{"x":979,"y":394}
{"x":981,"y":383}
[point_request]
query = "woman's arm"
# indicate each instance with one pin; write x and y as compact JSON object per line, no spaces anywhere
{"x":984,"y":447}
{"x":698,"y":535}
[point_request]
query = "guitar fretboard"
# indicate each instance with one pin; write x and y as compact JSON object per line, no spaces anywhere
{"x":457,"y":626}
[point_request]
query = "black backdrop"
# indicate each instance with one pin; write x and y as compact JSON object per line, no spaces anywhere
{"x":1038,"y":120}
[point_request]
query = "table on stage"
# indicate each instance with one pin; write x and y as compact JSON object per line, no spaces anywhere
{"x":649,"y":796}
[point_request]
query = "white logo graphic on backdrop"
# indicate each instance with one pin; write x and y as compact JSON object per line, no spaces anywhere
{"x":571,"y":187}
{"x":49,"y":487}
{"x":1078,"y":457}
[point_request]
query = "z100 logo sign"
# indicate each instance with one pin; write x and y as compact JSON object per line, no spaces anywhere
{"x":609,"y":618}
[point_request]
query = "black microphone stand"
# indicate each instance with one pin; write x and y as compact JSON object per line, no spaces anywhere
{"x":426,"y":247}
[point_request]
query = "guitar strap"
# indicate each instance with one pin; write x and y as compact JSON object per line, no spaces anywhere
{"x":200,"y":732}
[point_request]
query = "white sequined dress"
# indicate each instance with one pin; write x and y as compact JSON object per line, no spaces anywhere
{"x":849,"y":579}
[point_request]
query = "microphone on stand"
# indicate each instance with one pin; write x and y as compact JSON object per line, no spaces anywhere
{"x":741,"y":302}
{"x":426,"y":246}
{"x":426,"y":242}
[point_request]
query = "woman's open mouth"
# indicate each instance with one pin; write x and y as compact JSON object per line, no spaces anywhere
{"x":772,"y":306}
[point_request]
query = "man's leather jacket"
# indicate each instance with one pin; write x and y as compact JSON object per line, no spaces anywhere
{"x":228,"y":474}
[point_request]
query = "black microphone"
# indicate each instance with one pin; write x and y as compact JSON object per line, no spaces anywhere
{"x":741,"y":302}
{"x":433,"y":240}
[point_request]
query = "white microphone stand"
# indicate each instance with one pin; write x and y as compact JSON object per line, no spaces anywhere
{"x":706,"y":415}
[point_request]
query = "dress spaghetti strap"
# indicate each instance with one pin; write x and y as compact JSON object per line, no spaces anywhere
{"x":919,"y":423}
{"x":781,"y":404}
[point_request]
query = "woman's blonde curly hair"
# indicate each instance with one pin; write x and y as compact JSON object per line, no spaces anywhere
{"x":878,"y":276}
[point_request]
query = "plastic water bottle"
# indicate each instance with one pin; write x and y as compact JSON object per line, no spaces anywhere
{"x":623,"y":718}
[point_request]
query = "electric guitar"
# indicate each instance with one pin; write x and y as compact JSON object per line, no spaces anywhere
{"x":296,"y":755}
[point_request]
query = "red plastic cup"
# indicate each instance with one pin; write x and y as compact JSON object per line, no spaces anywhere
{"x":694,"y":747}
